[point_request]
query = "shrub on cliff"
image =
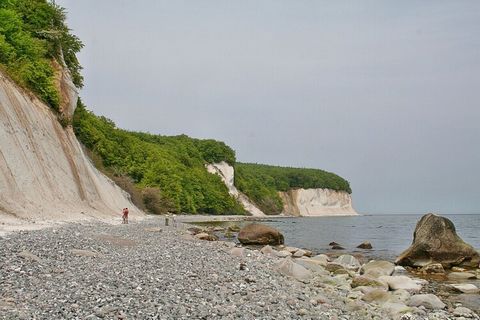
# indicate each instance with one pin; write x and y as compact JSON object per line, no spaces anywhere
{"x":32,"y":33}
{"x":170,"y":170}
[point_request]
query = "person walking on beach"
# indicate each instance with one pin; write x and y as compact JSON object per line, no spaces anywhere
{"x":125,"y":216}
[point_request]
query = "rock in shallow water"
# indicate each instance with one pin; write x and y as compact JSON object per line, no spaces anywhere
{"x":260,"y":234}
{"x":435,"y":240}
{"x":365,"y":245}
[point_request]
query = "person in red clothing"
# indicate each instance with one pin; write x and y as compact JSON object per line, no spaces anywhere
{"x":125,"y":216}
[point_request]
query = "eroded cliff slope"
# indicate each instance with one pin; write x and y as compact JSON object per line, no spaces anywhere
{"x":227,"y":174}
{"x":44,"y":174}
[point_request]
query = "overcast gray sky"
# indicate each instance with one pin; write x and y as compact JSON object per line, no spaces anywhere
{"x":384,"y":93}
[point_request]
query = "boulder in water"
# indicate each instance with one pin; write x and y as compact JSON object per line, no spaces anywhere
{"x":365,"y":245}
{"x":260,"y":234}
{"x":435,"y":240}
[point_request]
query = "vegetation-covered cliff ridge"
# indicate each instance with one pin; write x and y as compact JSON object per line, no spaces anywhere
{"x":160,"y":173}
{"x":170,"y":171}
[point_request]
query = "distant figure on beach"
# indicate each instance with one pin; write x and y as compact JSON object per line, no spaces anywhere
{"x":125,"y":216}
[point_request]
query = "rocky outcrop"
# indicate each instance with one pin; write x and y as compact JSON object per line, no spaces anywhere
{"x":227,"y":174}
{"x":317,"y":202}
{"x":260,"y":234}
{"x":68,"y":91}
{"x":44,"y":173}
{"x":435,"y":240}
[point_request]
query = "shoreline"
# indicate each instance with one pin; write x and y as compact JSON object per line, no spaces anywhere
{"x":9,"y":224}
{"x":196,"y":278}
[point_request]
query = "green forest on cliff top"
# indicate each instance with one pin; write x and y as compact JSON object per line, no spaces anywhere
{"x":161,"y":173}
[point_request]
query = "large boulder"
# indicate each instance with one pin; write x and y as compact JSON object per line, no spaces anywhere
{"x":365,"y":281}
{"x":348,"y":262}
{"x":321,"y":259}
{"x":402,"y":282}
{"x":465,"y":288}
{"x":312,"y":265}
{"x":429,"y":301}
{"x":260,"y":234}
{"x":377,"y":268}
{"x":289,"y":268}
{"x":435,"y":240}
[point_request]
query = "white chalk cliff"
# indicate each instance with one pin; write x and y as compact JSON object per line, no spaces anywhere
{"x":44,"y":173}
{"x":298,"y":202}
{"x":227,"y":174}
{"x":317,"y":202}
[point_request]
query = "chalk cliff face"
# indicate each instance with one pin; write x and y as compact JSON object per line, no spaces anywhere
{"x":298,"y":202}
{"x":227,"y":173}
{"x":317,"y":202}
{"x":44,"y":174}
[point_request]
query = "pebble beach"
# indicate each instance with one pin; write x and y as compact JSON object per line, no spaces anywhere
{"x":146,"y":270}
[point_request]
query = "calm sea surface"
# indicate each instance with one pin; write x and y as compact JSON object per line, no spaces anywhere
{"x":388,"y":234}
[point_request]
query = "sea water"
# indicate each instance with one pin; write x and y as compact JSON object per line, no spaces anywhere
{"x":389,"y":234}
